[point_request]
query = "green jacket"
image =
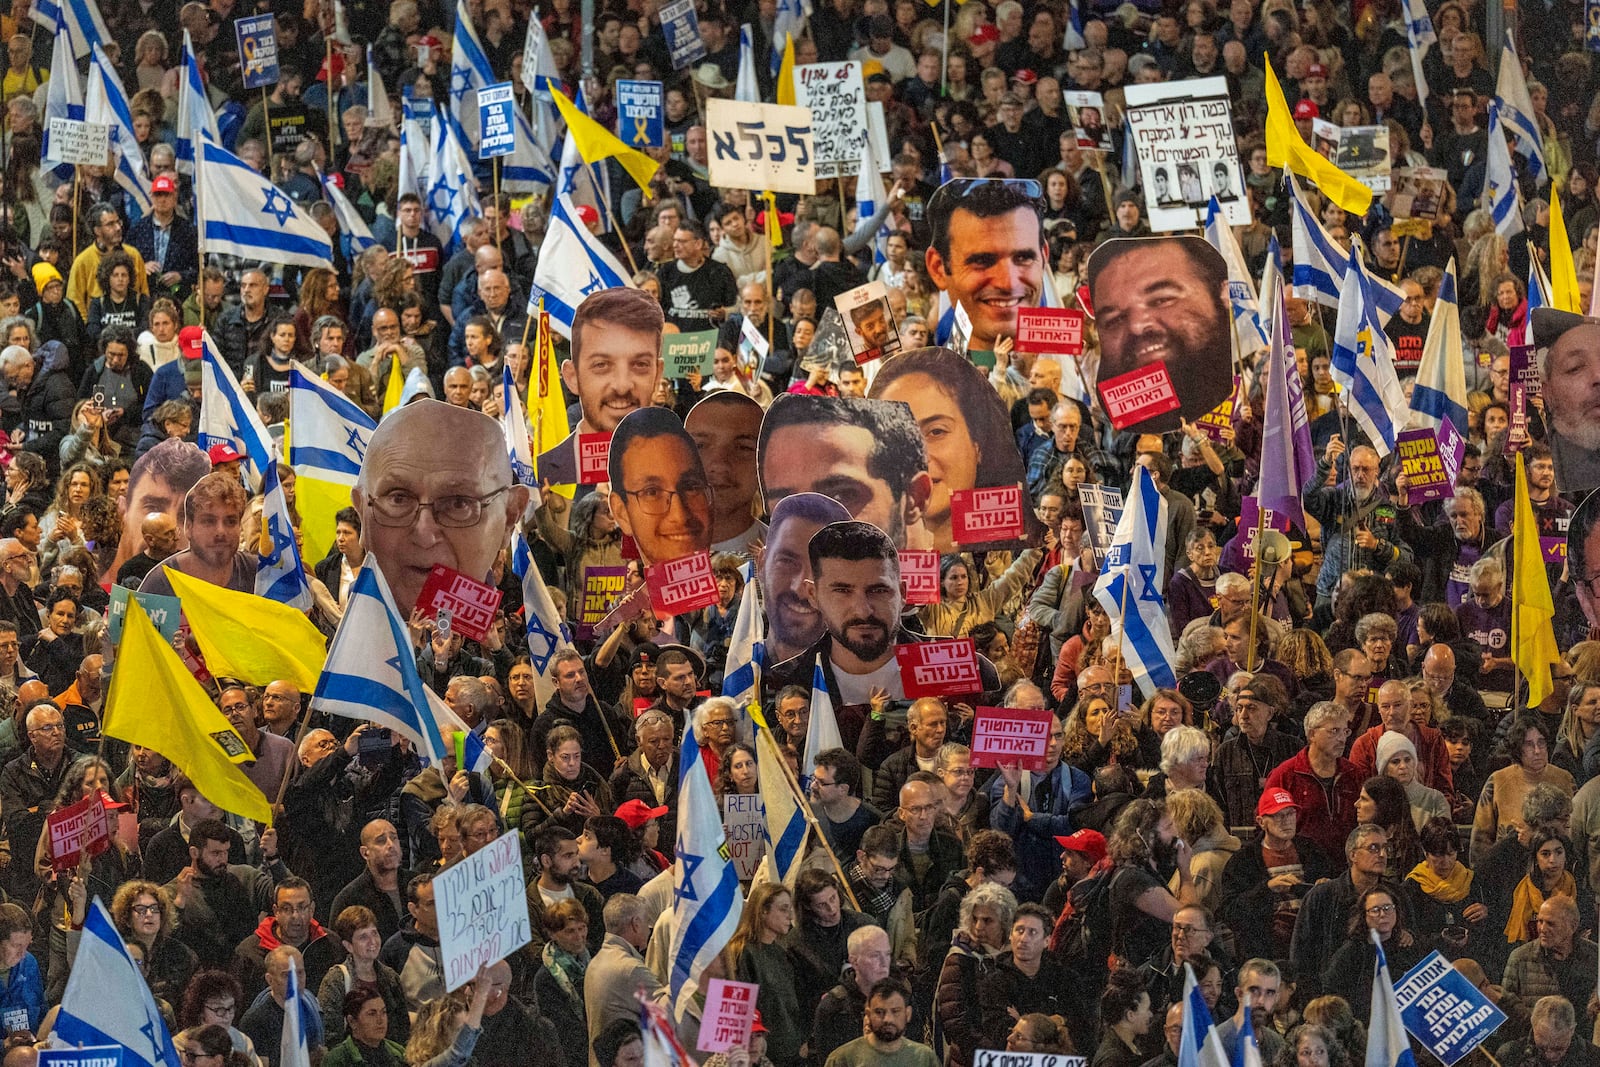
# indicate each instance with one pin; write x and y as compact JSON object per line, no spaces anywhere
{"x":348,"y":1054}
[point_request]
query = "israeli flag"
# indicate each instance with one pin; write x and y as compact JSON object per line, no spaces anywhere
{"x":539,"y":71}
{"x":1500,"y":180}
{"x":1538,"y":286}
{"x":1419,"y":34}
{"x":1387,"y":1043}
{"x":351,"y":224}
{"x":470,"y":70}
{"x":331,"y":434}
{"x":196,"y":118}
{"x":106,"y":102}
{"x":107,"y":1001}
{"x":528,"y":168}
{"x":380,"y":112}
{"x":1072,"y":39}
{"x":1200,"y":1044}
{"x":572,"y":264}
{"x":547,"y":632}
{"x":790,"y":21}
{"x":1249,"y":332}
{"x":705,"y":886}
{"x":580,"y":182}
{"x":785,"y":821}
{"x":1363,"y":359}
{"x":1131,"y":579}
{"x":414,"y":158}
{"x":1516,"y":111}
{"x":228,"y":417}
{"x":1441,"y":389}
{"x":1319,"y":262}
{"x":1246,"y":1052}
{"x":294,"y":1048}
{"x":514,"y":421}
{"x":1287,"y":459}
{"x":80,"y":18}
{"x":870,"y":193}
{"x":243,"y":214}
{"x":280,"y":574}
{"x":371,"y":675}
{"x":63,"y":95}
{"x":452,"y":196}
{"x":747,"y":649}
{"x":745,"y":88}
{"x":822,"y":732}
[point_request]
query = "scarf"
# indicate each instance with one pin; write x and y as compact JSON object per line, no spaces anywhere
{"x":1445,"y":890}
{"x":566,"y":969}
{"x":875,"y":902}
{"x":1525,"y":901}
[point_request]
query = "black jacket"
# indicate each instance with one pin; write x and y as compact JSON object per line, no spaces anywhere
{"x":362,"y":891}
{"x":183,"y":248}
{"x":1247,"y":903}
{"x":238,"y":338}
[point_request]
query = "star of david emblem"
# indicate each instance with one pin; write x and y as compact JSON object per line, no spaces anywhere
{"x":356,"y":445}
{"x":460,"y":81}
{"x":1150,"y":592}
{"x":443,"y":188}
{"x":569,"y":178}
{"x":594,"y":284}
{"x":685,"y":887}
{"x":281,"y":541}
{"x":537,"y":636}
{"x":278,"y":205}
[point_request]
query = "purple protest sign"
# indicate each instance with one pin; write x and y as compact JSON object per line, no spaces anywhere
{"x":1430,"y":462}
{"x":1525,"y":369}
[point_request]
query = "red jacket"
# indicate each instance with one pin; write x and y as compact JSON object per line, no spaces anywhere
{"x":1433,"y":759}
{"x":1327,"y":828}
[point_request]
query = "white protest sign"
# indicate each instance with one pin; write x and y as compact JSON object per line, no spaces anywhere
{"x":760,"y":147}
{"x":1102,"y":510}
{"x":78,"y":143}
{"x":1183,"y":135}
{"x":482,"y":905}
{"x":744,"y":824}
{"x":999,"y":1058}
{"x":837,"y":98}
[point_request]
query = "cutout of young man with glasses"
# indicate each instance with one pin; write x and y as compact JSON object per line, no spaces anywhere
{"x":660,"y":495}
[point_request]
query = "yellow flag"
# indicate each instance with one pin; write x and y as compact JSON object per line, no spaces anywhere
{"x":1563,"y":275}
{"x":396,"y":386}
{"x":1285,"y":147}
{"x":249,"y":637}
{"x":1533,"y":638}
{"x":155,"y":702}
{"x":774,"y":223}
{"x":786,"y":72}
{"x":595,"y":143}
{"x":547,"y":405}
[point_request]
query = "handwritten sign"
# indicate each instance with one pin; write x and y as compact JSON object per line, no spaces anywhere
{"x":640,"y":117}
{"x":681,"y":27}
{"x":837,"y":99}
{"x":682,"y":353}
{"x":729,"y":1016}
{"x":468,"y":603}
{"x":1183,"y":136}
{"x":1054,"y":331}
{"x":939,"y":668}
{"x":760,"y":146}
{"x":986,"y":516}
{"x":681,"y":584}
{"x":993,"y":1058}
{"x":482,"y":903}
{"x":165,"y":612}
{"x":496,"y":120}
{"x":594,"y":458}
{"x":258,"y":50}
{"x":79,"y":830}
{"x":919,"y":575}
{"x":1138,"y":395}
{"x":78,"y":143}
{"x":601,"y":588}
{"x":1011,"y":735}
{"x":744,"y":824}
{"x":1441,"y":1008}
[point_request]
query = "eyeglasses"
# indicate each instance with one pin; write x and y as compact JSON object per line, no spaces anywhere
{"x":726,"y":724}
{"x":1187,"y":930}
{"x":1380,"y":909}
{"x":921,"y":809}
{"x":48,"y":728}
{"x":146,"y":909}
{"x":653,"y":500}
{"x":398,"y":508}
{"x":225,"y":1008}
{"x":881,"y":870}
{"x":957,"y":188}
{"x":293,"y":909}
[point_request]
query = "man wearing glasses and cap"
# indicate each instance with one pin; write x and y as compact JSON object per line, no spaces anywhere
{"x":1570,"y":370}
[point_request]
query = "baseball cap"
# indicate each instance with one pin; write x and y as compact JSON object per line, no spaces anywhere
{"x":756,"y":1025}
{"x":1091,"y":843}
{"x":985,"y":34}
{"x":189,"y":341}
{"x":1307,"y":109}
{"x":588,"y":215}
{"x":222,"y":452}
{"x":1025,"y":76}
{"x":1274,"y":800}
{"x":163,"y":183}
{"x":1316,"y":70}
{"x":636,"y":813}
{"x":1256,"y":691}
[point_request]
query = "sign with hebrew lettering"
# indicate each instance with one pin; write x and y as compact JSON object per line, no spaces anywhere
{"x":1006,"y":736}
{"x":641,"y":121}
{"x":939,"y":668}
{"x":496,"y":109}
{"x":482,"y":903}
{"x":1183,"y":135}
{"x":1443,"y":1009}
{"x":837,"y":98}
{"x":760,"y":147}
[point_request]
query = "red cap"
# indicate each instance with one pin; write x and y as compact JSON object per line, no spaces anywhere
{"x":636,"y":813}
{"x":756,"y":1025}
{"x":337,"y":179}
{"x":222,"y":452}
{"x":1307,"y":109}
{"x":1025,"y":76}
{"x":1091,"y":843}
{"x":1316,"y":70}
{"x":1274,"y":800}
{"x":163,"y":183}
{"x":985,"y":34}
{"x":588,"y":215}
{"x":189,"y":341}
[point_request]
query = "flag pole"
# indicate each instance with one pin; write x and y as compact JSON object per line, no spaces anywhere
{"x":494,"y":178}
{"x":76,"y":175}
{"x":266,"y":120}
{"x":1122,"y":620}
{"x":1255,"y":586}
{"x":810,"y":816}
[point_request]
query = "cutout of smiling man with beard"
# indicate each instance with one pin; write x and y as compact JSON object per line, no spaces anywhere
{"x":1571,"y":370}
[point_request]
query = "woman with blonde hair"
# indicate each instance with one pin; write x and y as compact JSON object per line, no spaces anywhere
{"x":1578,"y":727}
{"x":446,"y":1030}
{"x":150,"y":61}
{"x":1198,"y":820}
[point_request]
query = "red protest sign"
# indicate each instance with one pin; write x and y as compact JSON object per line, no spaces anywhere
{"x":919,"y":575}
{"x":1003,"y":736}
{"x":1058,"y":331}
{"x":978,"y":516}
{"x":682,"y":584}
{"x":1139,"y":395}
{"x":594,"y":458}
{"x":79,"y":830}
{"x":730,"y":1013}
{"x":939,"y":668}
{"x":471,"y":604}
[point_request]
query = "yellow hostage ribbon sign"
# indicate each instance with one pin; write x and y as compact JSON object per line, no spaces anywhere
{"x":641,"y":131}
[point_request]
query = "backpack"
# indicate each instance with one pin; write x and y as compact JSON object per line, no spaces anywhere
{"x":1082,"y":937}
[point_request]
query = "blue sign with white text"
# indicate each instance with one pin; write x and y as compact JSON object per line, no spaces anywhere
{"x":682,"y":28}
{"x":1444,"y":1010}
{"x":258,"y":50}
{"x":496,"y":121}
{"x":88,"y":1056}
{"x":641,"y":120}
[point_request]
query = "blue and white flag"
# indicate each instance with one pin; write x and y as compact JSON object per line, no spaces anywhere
{"x":380,"y":111}
{"x":227,"y":415}
{"x":196,"y":117}
{"x":63,"y":95}
{"x":470,"y":70}
{"x":1441,"y":388}
{"x":1248,"y":331}
{"x":1072,"y":38}
{"x":1516,"y":112}
{"x":539,"y":71}
{"x":80,"y":18}
{"x":546,"y":631}
{"x":1287,"y":458}
{"x":572,"y":264}
{"x":351,"y":224}
{"x":514,"y":421}
{"x":746,"y":90}
{"x":1419,"y":34}
{"x":1132,"y":576}
{"x":1246,"y":1052}
{"x":108,"y":1002}
{"x":1200,"y":1044}
{"x":822,"y":732}
{"x":106,"y":102}
{"x":583,"y":183}
{"x":1387,"y":1043}
{"x":1072,"y":383}
{"x":705,"y":885}
{"x":294,"y":1050}
{"x":790,"y":21}
{"x":1319,"y":261}
{"x":1500,"y":180}
{"x":870,"y":195}
{"x":1363,"y":359}
{"x":414,"y":158}
{"x":330,"y":433}
{"x":452,"y":197}
{"x":528,"y":168}
{"x":1538,"y":286}
{"x":371,"y":675}
{"x":785,"y":821}
{"x":747,"y":649}
{"x":243,"y":214}
{"x":281,"y":573}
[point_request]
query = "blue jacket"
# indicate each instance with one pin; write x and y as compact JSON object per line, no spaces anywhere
{"x":1054,"y":797}
{"x":24,"y":992}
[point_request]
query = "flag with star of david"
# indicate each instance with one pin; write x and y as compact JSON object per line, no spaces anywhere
{"x":371,"y":675}
{"x":1131,"y":578}
{"x":572,"y":264}
{"x":280,"y":573}
{"x":451,"y":192}
{"x":547,"y":634}
{"x":243,"y":214}
{"x":107,"y":1001}
{"x":105,"y":101}
{"x":705,"y":884}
